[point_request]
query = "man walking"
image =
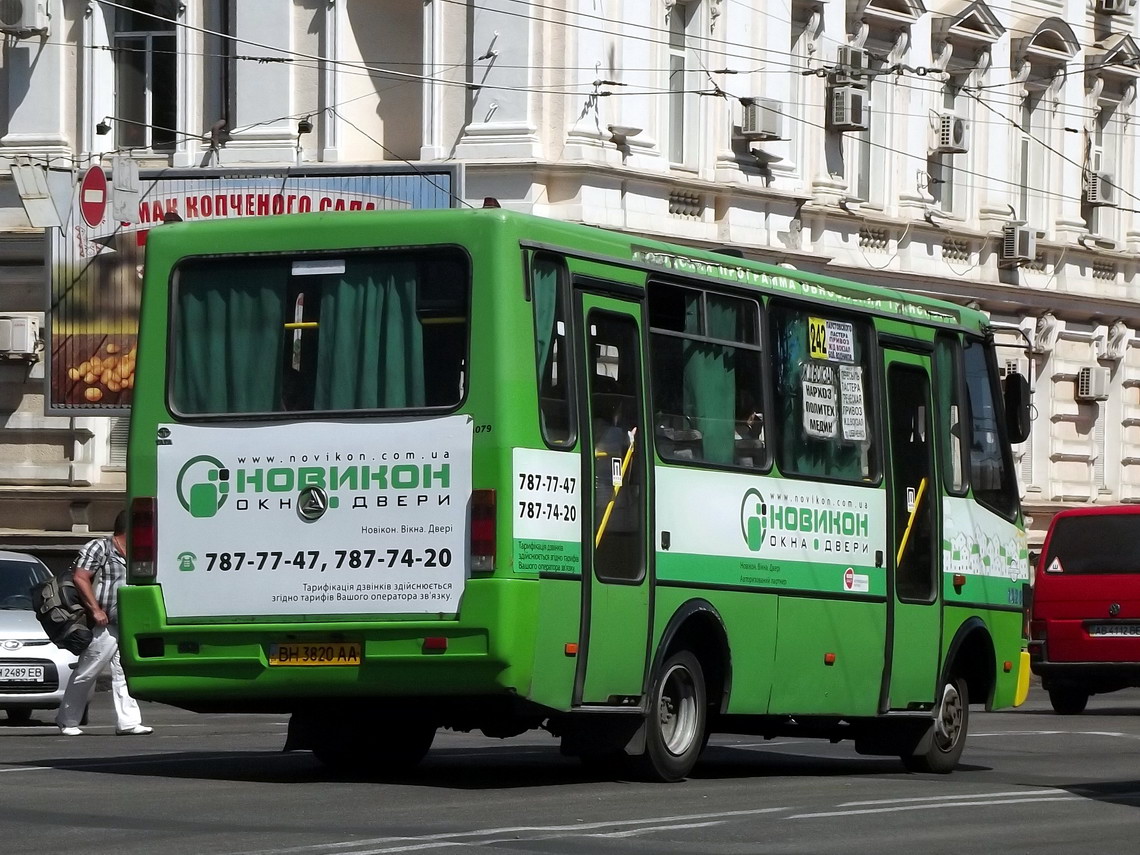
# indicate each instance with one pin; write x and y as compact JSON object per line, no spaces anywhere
{"x":100,"y":570}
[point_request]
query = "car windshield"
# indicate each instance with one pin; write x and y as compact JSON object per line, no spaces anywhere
{"x":16,"y":580}
{"x":1094,"y":543}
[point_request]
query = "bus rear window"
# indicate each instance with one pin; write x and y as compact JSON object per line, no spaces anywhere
{"x":1094,"y":544}
{"x":361,"y":331}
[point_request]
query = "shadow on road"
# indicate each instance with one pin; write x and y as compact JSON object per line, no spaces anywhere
{"x":493,"y":767}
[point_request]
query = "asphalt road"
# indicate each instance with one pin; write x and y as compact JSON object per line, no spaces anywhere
{"x":1030,"y":781}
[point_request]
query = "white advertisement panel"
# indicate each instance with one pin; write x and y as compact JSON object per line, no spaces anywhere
{"x":330,"y":518}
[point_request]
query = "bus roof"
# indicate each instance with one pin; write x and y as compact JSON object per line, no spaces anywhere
{"x":321,"y":231}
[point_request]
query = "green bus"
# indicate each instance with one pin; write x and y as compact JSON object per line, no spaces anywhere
{"x":392,"y":472}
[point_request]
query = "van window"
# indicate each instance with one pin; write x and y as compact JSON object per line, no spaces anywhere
{"x":1094,"y":543}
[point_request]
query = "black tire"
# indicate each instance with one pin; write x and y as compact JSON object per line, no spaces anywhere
{"x":676,"y":720}
{"x":951,"y":724}
{"x":1067,"y":700}
{"x":19,"y":715}
{"x":376,"y":747}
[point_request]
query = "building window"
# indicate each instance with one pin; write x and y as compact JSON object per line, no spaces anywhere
{"x":945,"y":167}
{"x":1102,"y":172}
{"x":867,"y":150}
{"x":145,"y":50}
{"x":682,"y":105}
{"x":1035,"y":135}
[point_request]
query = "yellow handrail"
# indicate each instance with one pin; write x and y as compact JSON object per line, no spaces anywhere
{"x":617,"y":488}
{"x":910,"y":522}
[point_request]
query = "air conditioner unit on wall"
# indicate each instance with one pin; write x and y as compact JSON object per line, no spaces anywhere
{"x":762,"y":119}
{"x":1099,"y":188}
{"x":952,"y":134}
{"x":848,"y":109}
{"x":19,"y":337}
{"x":24,"y":17}
{"x":1113,"y":7}
{"x":1018,"y":243}
{"x":1092,"y":383}
{"x":851,"y":66}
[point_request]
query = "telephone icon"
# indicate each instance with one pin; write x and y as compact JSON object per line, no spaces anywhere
{"x":186,"y":561}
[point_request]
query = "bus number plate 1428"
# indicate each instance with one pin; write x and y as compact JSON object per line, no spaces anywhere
{"x":328,"y":653}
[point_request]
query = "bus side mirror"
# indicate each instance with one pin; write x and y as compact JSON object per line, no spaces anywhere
{"x":1017,"y":407}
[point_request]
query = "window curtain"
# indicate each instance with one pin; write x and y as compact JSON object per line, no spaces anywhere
{"x":227,"y":341}
{"x":709,"y":378}
{"x":545,"y":282}
{"x":371,"y":352}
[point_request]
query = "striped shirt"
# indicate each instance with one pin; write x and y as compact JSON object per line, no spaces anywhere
{"x":108,"y":569}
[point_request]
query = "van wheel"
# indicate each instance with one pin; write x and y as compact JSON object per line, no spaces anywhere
{"x":676,"y":721}
{"x":19,"y":715}
{"x":1068,"y":701}
{"x":951,"y":722}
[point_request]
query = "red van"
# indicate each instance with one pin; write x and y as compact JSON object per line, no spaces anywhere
{"x":1084,"y":615}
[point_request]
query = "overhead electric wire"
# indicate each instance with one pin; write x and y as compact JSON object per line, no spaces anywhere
{"x":587,"y":89}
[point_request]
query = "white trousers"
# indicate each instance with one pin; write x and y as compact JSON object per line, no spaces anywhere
{"x":103,"y":652}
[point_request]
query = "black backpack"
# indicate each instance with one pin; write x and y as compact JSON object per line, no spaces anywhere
{"x":61,"y":613}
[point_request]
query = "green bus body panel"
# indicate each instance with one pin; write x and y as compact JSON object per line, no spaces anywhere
{"x":807,"y":631}
{"x":511,"y":634}
{"x":1004,"y":628}
{"x":486,"y":652}
{"x":749,"y":620}
{"x":559,"y":619}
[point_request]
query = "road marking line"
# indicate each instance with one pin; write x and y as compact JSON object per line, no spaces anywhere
{"x":1047,"y":792}
{"x":934,"y":806}
{"x":406,"y":844}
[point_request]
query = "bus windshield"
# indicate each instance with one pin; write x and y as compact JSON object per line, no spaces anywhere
{"x":273,"y":333}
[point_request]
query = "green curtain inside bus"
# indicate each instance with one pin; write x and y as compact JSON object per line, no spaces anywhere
{"x":371,"y":340}
{"x":228,"y":341}
{"x":545,"y":283}
{"x":709,"y":377}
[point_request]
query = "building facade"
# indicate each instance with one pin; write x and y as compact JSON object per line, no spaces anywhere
{"x":982,"y":153}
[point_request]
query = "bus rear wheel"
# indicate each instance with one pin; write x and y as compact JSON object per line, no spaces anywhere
{"x":380,"y":746}
{"x":951,"y":722}
{"x":677,"y":718}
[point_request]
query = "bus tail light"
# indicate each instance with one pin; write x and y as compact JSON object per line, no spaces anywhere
{"x":483,"y":530}
{"x":142,"y":538}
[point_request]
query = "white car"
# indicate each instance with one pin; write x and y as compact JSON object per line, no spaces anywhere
{"x":33,"y":671}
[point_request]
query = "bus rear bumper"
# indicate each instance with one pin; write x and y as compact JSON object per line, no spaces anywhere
{"x":227,"y":667}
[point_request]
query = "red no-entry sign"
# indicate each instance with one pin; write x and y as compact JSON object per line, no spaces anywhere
{"x":93,"y":196}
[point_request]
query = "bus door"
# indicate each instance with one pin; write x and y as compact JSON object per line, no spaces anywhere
{"x":914,"y":595}
{"x":614,"y":636}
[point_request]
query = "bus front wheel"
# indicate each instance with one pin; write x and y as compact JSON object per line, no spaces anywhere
{"x":951,"y":722}
{"x":676,"y":720}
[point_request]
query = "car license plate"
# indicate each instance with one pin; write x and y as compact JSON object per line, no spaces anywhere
{"x":21,"y":673}
{"x":1117,"y":630}
{"x":319,"y":653}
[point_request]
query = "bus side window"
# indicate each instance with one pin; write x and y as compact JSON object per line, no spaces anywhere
{"x":824,"y":407}
{"x":707,"y":393}
{"x":551,"y":350}
{"x":948,"y":387}
{"x":991,"y":470}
